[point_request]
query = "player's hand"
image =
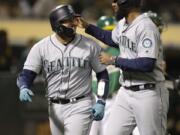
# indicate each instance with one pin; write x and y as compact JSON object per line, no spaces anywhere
{"x":25,"y":94}
{"x":98,"y":110}
{"x":82,"y":23}
{"x":105,"y":58}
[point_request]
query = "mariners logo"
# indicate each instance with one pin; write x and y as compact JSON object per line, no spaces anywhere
{"x":147,"y":43}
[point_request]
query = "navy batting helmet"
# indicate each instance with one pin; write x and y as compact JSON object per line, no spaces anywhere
{"x":129,"y":4}
{"x":125,"y":6}
{"x":61,"y":13}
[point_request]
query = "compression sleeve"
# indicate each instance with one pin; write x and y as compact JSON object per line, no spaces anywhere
{"x":103,"y":84}
{"x":139,"y":64}
{"x":26,"y":78}
{"x":102,"y":35}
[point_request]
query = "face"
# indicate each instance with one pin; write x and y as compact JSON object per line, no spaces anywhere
{"x":67,"y":28}
{"x":118,"y":11}
{"x":70,"y":24}
{"x":115,"y":6}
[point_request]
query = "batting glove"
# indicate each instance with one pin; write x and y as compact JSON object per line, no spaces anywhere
{"x":25,"y":94}
{"x":98,"y":110}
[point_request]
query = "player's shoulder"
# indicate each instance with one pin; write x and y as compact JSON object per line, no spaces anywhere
{"x":42,"y":42}
{"x":146,"y":23}
{"x":88,"y":41}
{"x":120,"y":23}
{"x":86,"y":38}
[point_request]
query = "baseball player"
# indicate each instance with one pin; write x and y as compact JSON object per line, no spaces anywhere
{"x":67,"y":60}
{"x":142,"y":100}
{"x":159,"y":22}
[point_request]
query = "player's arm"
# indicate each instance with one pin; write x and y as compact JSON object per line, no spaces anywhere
{"x":26,"y":78}
{"x":103,"y":84}
{"x":24,"y":82}
{"x":102,"y":93}
{"x":102,"y":35}
{"x":103,"y":81}
{"x":143,"y":64}
{"x":31,"y":68}
{"x":138,"y":64}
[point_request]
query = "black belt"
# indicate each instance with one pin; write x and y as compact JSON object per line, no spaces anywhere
{"x":141,"y":87}
{"x":65,"y":101}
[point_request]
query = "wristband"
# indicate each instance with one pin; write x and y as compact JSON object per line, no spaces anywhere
{"x":101,"y":101}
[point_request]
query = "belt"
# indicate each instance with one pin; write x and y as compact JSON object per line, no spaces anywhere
{"x":65,"y":101}
{"x":141,"y":87}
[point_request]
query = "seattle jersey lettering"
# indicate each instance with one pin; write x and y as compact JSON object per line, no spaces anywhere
{"x":127,"y":43}
{"x":59,"y":64}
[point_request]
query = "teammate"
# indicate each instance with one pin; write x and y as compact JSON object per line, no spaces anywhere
{"x":143,"y":99}
{"x":67,"y":59}
{"x":159,"y":22}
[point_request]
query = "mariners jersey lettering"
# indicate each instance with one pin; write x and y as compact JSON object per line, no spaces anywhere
{"x":67,"y":68}
{"x":141,"y":38}
{"x":55,"y":65}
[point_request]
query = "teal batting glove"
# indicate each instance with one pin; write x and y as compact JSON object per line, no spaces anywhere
{"x":98,"y":110}
{"x":25,"y":94}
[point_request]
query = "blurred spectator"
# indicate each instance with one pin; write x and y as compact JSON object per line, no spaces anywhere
{"x":88,"y":8}
{"x":36,"y":8}
{"x":6,"y":58}
{"x":8,"y":8}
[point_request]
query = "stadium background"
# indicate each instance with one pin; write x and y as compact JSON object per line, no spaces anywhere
{"x":24,"y":27}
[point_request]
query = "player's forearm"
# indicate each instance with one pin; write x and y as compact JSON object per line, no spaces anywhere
{"x":102,"y":35}
{"x":138,"y":64}
{"x":26,"y":78}
{"x":103,"y":84}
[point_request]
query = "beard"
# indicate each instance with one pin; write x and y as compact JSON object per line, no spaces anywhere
{"x":66,"y":32}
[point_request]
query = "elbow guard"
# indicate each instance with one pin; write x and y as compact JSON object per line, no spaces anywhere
{"x":103,"y":84}
{"x":102,"y":89}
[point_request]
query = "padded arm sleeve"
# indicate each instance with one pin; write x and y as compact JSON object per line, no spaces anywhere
{"x":26,"y":78}
{"x":103,"y":84}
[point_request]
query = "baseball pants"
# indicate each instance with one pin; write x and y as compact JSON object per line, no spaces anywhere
{"x":146,"y":109}
{"x":71,"y":119}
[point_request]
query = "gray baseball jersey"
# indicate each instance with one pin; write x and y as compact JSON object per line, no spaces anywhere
{"x":146,"y":108}
{"x":67,"y":68}
{"x":140,"y":39}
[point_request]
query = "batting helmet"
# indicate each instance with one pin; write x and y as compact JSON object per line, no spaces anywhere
{"x":129,"y":4}
{"x":60,"y":14}
{"x":106,"y":22}
{"x":125,"y":6}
